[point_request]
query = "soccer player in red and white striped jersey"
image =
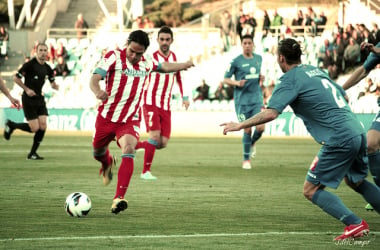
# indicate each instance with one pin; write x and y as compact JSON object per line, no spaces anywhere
{"x":125,"y":72}
{"x":156,"y":107}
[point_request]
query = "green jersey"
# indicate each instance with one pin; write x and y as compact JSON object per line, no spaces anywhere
{"x":246,"y":69}
{"x":319,"y":102}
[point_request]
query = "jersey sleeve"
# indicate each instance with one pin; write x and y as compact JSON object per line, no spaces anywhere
{"x":105,"y":63}
{"x":22,"y":70}
{"x":283,"y":94}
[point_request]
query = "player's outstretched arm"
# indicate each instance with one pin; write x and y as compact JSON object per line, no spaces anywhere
{"x":358,"y":75}
{"x":264,"y":116}
{"x":167,"y":67}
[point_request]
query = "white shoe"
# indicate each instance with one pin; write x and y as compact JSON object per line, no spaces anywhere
{"x":148,"y":176}
{"x":253,"y":154}
{"x":246,"y":165}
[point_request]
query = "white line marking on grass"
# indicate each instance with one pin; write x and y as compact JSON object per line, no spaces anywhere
{"x":173,"y":236}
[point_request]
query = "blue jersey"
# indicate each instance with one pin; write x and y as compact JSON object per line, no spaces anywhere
{"x":319,"y":102}
{"x":246,"y":69}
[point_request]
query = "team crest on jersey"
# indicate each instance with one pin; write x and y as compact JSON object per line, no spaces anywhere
{"x":252,"y":74}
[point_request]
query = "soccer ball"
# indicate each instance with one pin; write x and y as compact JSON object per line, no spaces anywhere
{"x":78,"y":204}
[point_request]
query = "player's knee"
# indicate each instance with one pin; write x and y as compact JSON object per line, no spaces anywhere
{"x":372,"y":146}
{"x":352,"y":185}
{"x":128,"y":149}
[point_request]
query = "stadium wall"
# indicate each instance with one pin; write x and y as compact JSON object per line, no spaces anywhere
{"x":23,"y":39}
{"x":184,"y":123}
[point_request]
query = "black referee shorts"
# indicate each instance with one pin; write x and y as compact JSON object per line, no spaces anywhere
{"x":34,"y":107}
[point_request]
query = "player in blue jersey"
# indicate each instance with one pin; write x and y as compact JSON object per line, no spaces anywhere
{"x":322,"y":105}
{"x":373,"y":134}
{"x":248,"y":96}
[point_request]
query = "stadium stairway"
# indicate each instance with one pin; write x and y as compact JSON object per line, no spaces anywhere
{"x":90,"y":9}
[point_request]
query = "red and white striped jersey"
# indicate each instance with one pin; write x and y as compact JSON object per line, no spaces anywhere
{"x":158,"y":91}
{"x":124,"y":84}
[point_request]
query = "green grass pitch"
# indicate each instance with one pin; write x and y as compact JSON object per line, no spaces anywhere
{"x":202,"y":199}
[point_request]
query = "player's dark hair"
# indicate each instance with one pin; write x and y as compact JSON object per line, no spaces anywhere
{"x":165,"y":29}
{"x":291,"y":50}
{"x":247,"y":37}
{"x":140,"y":37}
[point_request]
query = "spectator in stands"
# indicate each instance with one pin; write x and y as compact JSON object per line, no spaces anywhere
{"x":138,"y":23}
{"x":244,"y":73}
{"x":323,"y":50}
{"x":346,"y":38}
{"x":240,"y":19}
{"x":81,"y":26}
{"x":4,"y":40}
{"x":351,"y":54}
{"x":337,"y":30}
{"x":202,"y":91}
{"x":250,"y":25}
{"x":321,"y":20}
{"x":61,"y":51}
{"x":61,"y":68}
{"x":221,"y":92}
{"x":226,"y":29}
{"x":266,"y":24}
{"x":309,"y":16}
{"x":376,"y":33}
{"x":51,"y":54}
{"x":148,"y":24}
{"x":338,"y":53}
{"x":276,"y":22}
{"x":298,"y":21}
{"x":15,"y":102}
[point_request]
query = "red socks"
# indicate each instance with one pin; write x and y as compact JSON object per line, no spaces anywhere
{"x":124,"y":175}
{"x":150,"y":149}
{"x":105,"y":159}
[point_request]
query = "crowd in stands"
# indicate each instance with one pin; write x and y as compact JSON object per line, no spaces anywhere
{"x":4,"y":40}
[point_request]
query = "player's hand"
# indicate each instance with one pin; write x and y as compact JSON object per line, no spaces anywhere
{"x":30,"y":92}
{"x":241,"y":83}
{"x":102,"y":95}
{"x":15,"y":102}
{"x":186,"y":104}
{"x":230,"y":126}
{"x":189,"y":64}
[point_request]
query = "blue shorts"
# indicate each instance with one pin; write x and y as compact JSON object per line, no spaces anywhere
{"x":244,"y":112}
{"x":376,"y":123}
{"x":333,"y":163}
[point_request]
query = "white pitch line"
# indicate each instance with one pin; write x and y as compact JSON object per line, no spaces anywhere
{"x":172,"y":236}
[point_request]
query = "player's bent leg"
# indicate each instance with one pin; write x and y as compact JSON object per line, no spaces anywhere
{"x":369,"y":191}
{"x":8,"y":130}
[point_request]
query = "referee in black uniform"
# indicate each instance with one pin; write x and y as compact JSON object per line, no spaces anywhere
{"x":35,"y":72}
